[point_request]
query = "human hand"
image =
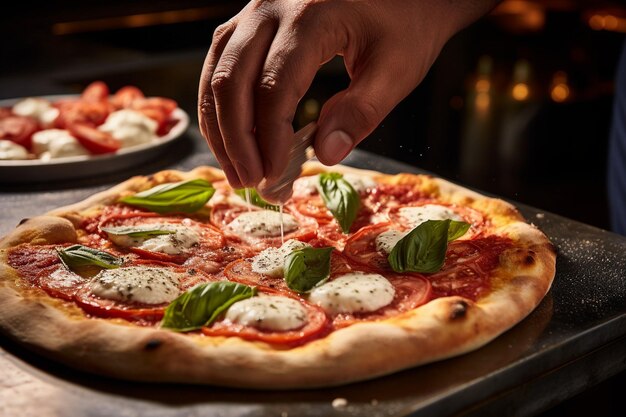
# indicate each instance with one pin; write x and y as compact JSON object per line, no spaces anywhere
{"x":263,"y":60}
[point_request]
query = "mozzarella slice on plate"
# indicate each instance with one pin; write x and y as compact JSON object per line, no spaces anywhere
{"x":262,"y":223}
{"x":271,"y":261}
{"x":130,"y":127}
{"x":37,"y":108}
{"x":184,"y":237}
{"x":11,"y":150}
{"x":357,"y":292}
{"x":269,"y":313}
{"x":386,"y":241}
{"x":415,"y":216}
{"x":138,"y":284}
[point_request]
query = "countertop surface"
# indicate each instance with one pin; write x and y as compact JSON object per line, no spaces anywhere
{"x":575,"y":338}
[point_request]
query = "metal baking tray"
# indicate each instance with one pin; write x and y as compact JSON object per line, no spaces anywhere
{"x":575,"y":338}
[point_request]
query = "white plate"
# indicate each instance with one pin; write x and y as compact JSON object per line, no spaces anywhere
{"x":72,"y":167}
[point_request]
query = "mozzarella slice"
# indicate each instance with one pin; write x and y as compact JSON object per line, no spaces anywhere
{"x":184,"y":237}
{"x":360,"y":183}
{"x":43,"y":139}
{"x":271,"y":261}
{"x":309,"y":185}
{"x":357,"y":292}
{"x":262,"y":223}
{"x":269,"y":313}
{"x":415,"y":216}
{"x":11,"y":150}
{"x":305,"y":186}
{"x":64,"y":146}
{"x":137,"y":284}
{"x":388,"y":239}
{"x":37,"y":108}
{"x":130,"y":127}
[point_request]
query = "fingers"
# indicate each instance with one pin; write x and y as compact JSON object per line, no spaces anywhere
{"x":233,"y":82}
{"x":207,"y":116}
{"x":289,"y":69}
{"x":349,"y":116}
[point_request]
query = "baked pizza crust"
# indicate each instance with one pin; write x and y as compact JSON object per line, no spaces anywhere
{"x":442,"y":328}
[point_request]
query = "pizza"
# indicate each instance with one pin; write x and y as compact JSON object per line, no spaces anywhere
{"x":93,"y":123}
{"x":177,"y":277}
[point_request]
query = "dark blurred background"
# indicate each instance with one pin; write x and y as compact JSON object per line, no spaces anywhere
{"x":518,"y":105}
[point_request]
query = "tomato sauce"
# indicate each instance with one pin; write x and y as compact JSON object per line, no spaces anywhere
{"x":468,"y":266}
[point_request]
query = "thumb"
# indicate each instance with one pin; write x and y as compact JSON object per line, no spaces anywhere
{"x":350,"y":115}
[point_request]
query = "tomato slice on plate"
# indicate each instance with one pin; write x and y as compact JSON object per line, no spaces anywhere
{"x":241,"y":271}
{"x":312,"y":206}
{"x":126,"y":96}
{"x":317,"y":325}
{"x":361,"y":247}
{"x":412,"y":291}
{"x":94,"y":140}
{"x":166,"y":105}
{"x":82,"y":112}
{"x":18,"y":129}
{"x":102,"y":307}
{"x":159,"y":256}
{"x":96,"y":91}
{"x":5,"y":112}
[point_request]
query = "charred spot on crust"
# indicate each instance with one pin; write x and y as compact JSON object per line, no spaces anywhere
{"x":23,"y":221}
{"x":458,"y":310}
{"x":530,"y":258}
{"x":153,"y":344}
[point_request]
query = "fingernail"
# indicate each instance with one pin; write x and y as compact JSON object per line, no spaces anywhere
{"x":335,"y":146}
{"x":242,"y":171}
{"x":231,"y":176}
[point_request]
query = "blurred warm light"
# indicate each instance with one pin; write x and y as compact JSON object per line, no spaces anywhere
{"x":606,"y":21}
{"x":311,"y":108}
{"x":559,"y":91}
{"x":482,"y":86}
{"x":520,"y":91}
{"x":140,"y":20}
{"x":482,"y":101}
{"x":596,"y":22}
{"x":520,"y":15}
{"x":611,"y":22}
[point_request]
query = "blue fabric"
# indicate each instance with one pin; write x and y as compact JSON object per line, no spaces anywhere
{"x":617,"y":151}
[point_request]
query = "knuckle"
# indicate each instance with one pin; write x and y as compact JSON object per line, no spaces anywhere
{"x":222,"y":81}
{"x":206,"y":105}
{"x":269,"y":84}
{"x":222,"y":30}
{"x":277,"y":85}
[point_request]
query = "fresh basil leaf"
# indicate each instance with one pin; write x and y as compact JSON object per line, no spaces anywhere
{"x":185,"y":196}
{"x":423,"y":249}
{"x":256,"y":199}
{"x":77,"y":256}
{"x":202,"y":304}
{"x":457,"y":229}
{"x":136,"y":232}
{"x":306,"y":268}
{"x":340,"y":198}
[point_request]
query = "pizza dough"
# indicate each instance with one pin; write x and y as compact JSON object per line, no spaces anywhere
{"x":65,"y":324}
